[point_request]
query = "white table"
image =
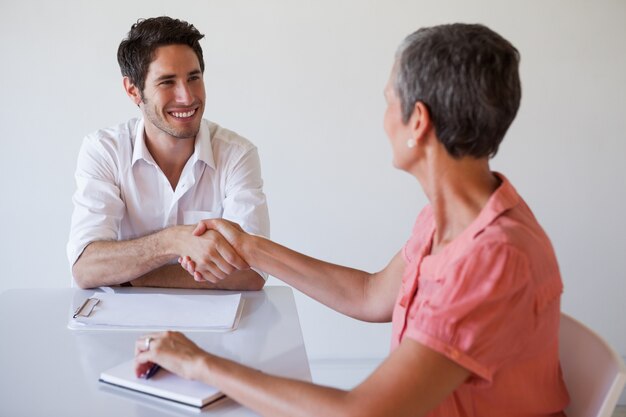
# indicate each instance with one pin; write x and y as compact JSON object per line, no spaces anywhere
{"x":48,"y":370}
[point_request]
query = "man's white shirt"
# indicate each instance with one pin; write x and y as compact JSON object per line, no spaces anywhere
{"x":122,"y":193}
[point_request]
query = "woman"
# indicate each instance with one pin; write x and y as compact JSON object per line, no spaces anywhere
{"x":474,"y":295}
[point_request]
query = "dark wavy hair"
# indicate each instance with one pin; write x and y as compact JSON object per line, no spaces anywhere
{"x":468,"y":77}
{"x":136,"y":51}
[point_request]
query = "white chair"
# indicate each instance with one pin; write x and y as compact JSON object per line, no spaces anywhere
{"x":594,"y":373}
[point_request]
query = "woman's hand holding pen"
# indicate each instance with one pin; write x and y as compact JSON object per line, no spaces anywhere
{"x":172,"y":351}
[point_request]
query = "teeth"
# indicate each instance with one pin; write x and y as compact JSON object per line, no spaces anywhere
{"x":184,"y":114}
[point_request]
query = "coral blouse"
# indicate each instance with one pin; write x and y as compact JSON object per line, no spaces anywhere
{"x":489,"y":301}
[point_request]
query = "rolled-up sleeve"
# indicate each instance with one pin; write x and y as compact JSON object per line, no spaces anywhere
{"x":98,"y":207}
{"x":244,"y":202}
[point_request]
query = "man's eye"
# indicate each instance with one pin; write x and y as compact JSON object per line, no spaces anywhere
{"x":194,"y":78}
{"x":166,"y":82}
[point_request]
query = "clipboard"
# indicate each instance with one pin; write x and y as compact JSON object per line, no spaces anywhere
{"x":156,"y":312}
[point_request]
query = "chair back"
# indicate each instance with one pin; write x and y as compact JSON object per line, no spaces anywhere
{"x":594,"y":373}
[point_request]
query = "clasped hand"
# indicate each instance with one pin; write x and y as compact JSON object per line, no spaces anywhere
{"x":213,"y":257}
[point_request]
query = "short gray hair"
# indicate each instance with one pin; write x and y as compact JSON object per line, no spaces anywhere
{"x":468,"y":77}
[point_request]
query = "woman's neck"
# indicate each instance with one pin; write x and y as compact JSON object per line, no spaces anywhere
{"x":458,"y":190}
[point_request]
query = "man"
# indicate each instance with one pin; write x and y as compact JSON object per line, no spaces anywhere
{"x":142,"y":185}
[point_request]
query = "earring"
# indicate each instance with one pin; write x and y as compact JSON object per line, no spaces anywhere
{"x":410,"y":143}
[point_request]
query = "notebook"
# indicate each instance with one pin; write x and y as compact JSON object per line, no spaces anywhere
{"x":154,"y":312}
{"x":163,"y":384}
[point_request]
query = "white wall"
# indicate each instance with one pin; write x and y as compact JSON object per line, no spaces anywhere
{"x":304,"y":81}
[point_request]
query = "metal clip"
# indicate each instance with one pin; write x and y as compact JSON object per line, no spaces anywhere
{"x":86,"y":307}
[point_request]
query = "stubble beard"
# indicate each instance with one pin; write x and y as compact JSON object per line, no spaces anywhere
{"x":158,"y":120}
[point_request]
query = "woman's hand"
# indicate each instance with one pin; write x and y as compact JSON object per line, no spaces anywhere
{"x":232,"y":232}
{"x":172,"y":351}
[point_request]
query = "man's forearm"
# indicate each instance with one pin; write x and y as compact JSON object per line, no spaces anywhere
{"x":173,"y":276}
{"x":115,"y":262}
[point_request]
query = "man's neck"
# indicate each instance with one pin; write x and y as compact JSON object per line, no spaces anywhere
{"x":169,"y":153}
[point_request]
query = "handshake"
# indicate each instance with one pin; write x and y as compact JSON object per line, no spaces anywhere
{"x":215,"y":251}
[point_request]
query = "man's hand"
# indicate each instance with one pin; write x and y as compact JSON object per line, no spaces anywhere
{"x":226,"y":236}
{"x":212,"y":254}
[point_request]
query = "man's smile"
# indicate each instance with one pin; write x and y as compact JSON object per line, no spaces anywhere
{"x":183,"y":114}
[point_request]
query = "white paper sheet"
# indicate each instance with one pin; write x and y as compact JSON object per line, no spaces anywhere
{"x":162,"y":311}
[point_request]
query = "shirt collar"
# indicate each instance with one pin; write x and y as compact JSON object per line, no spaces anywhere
{"x":202,"y":150}
{"x":140,"y":150}
{"x":504,"y":198}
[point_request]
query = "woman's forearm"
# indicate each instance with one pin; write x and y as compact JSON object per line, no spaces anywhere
{"x":356,"y":293}
{"x":340,"y":288}
{"x":270,"y":395}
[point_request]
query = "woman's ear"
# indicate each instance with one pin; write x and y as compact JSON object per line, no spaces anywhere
{"x":420,"y":122}
{"x":132,"y":91}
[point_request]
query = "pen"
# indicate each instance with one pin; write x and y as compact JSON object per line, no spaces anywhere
{"x":153,"y":370}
